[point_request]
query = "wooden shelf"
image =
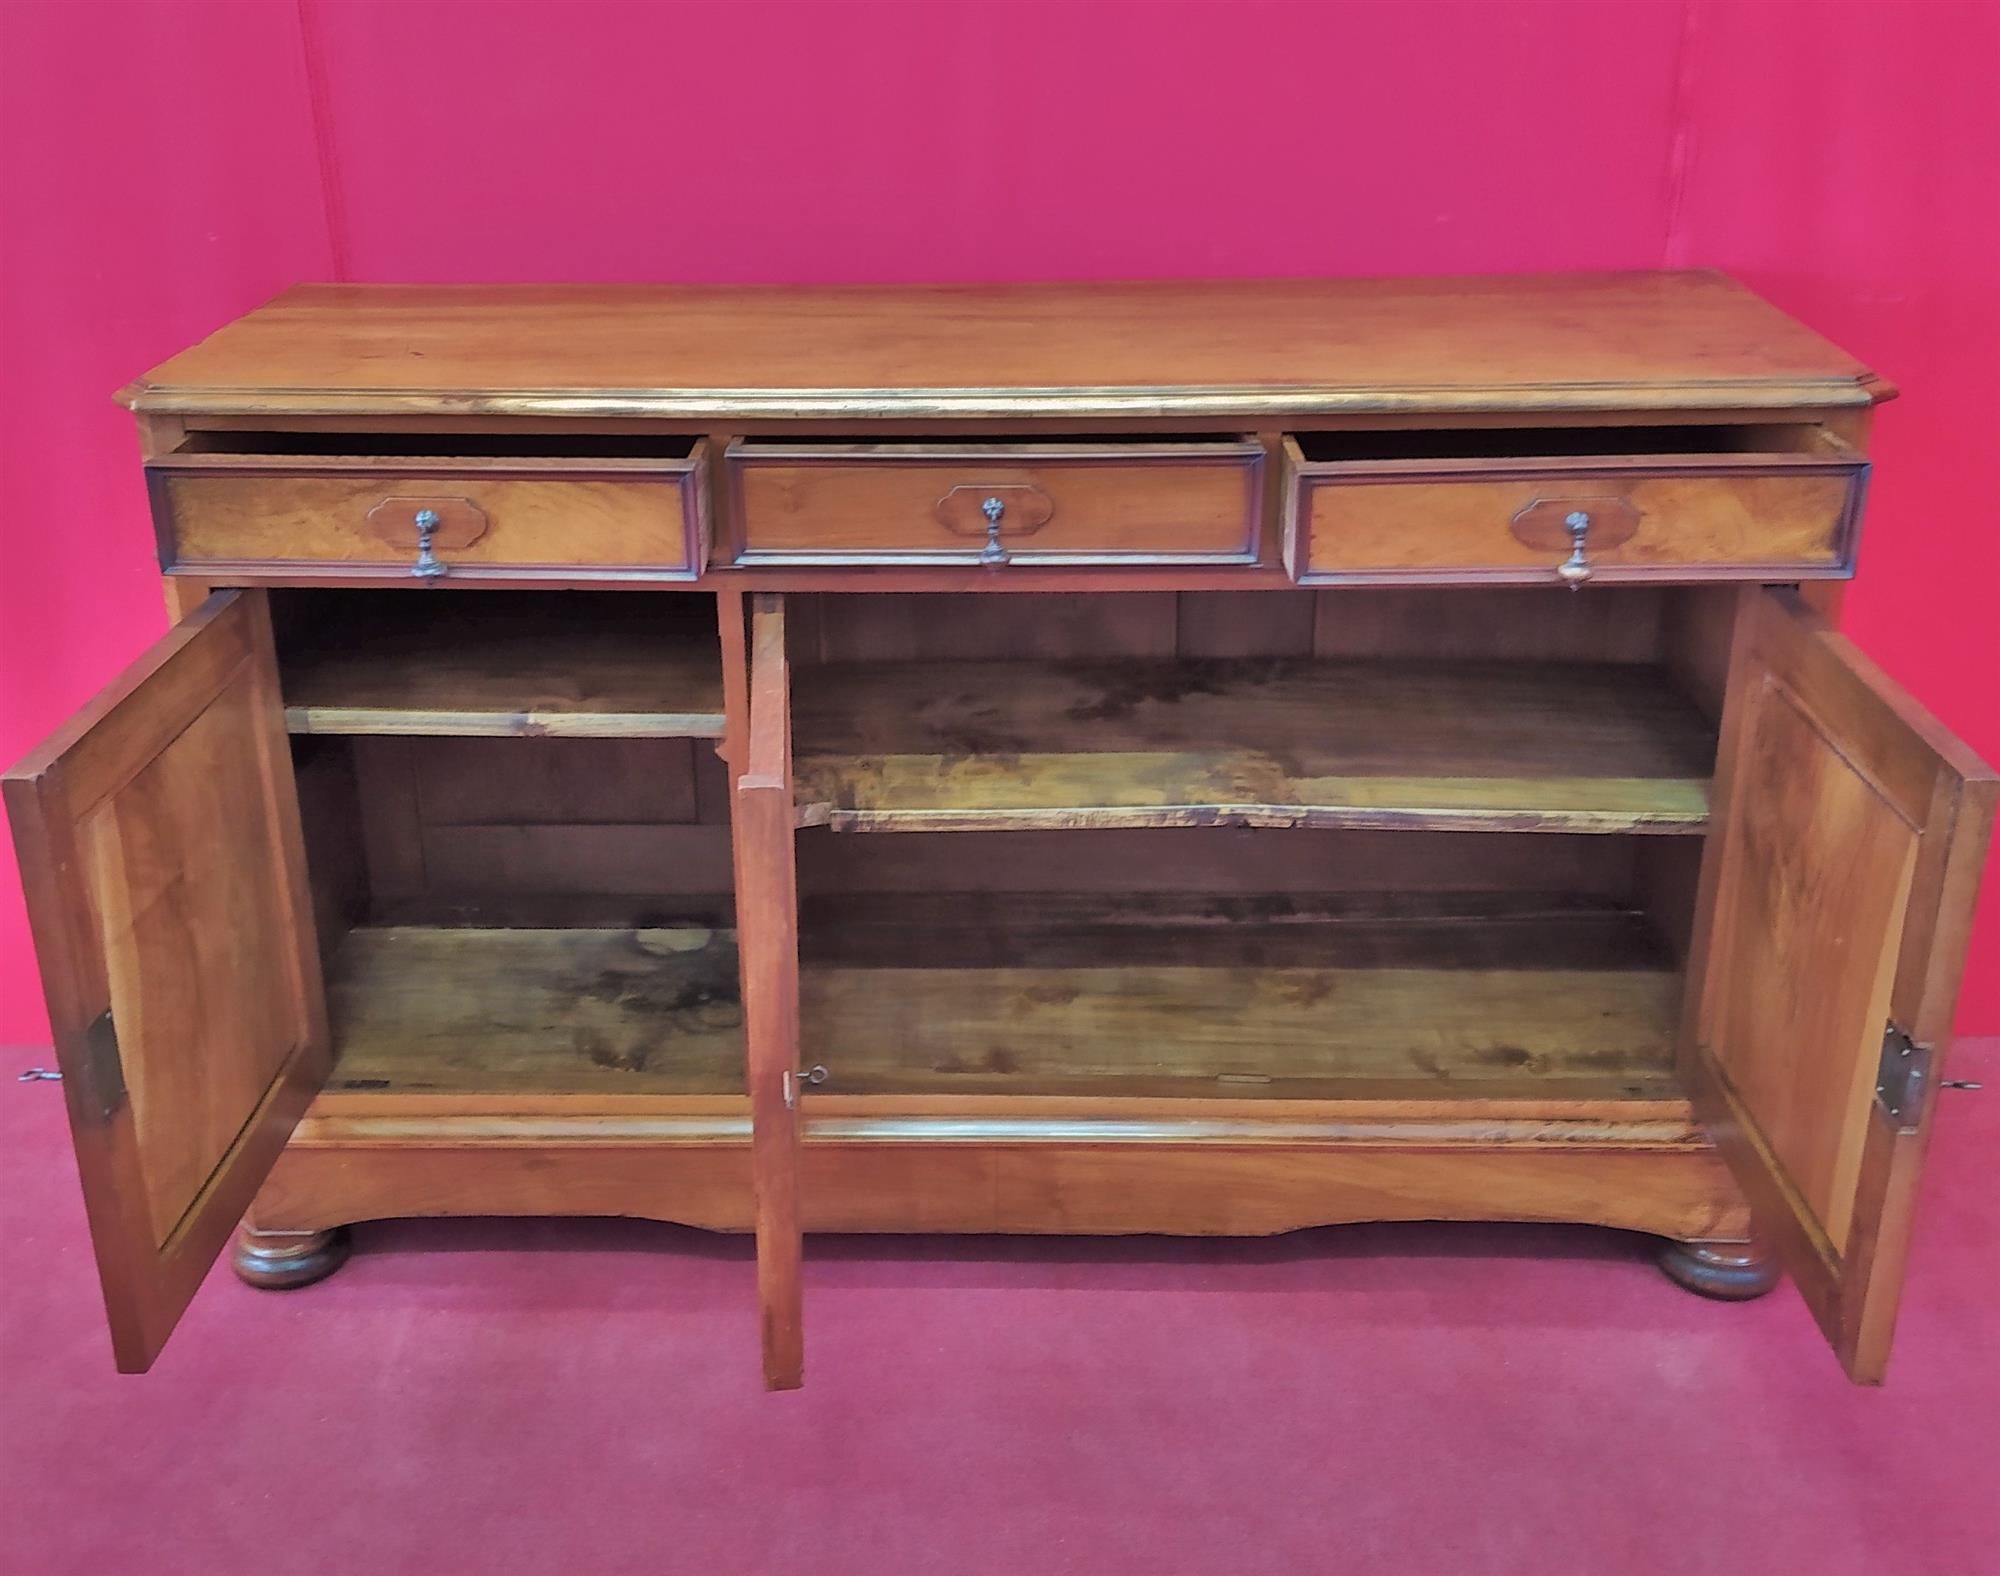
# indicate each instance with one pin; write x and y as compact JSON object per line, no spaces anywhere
{"x":635,"y":667}
{"x":1419,"y":998}
{"x":962,"y":746}
{"x":1526,"y":999}
{"x":420,"y":1009}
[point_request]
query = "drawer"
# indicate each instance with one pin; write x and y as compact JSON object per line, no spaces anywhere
{"x":576,"y":508}
{"x":1179,"y":502}
{"x":1572,"y":505}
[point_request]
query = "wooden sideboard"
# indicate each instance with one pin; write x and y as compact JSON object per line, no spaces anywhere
{"x":1332,"y":752}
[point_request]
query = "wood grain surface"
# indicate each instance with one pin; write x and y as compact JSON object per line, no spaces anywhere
{"x":1488,"y":996}
{"x":160,"y":837}
{"x":1835,"y":902}
{"x":1536,"y":342}
{"x":646,"y":527}
{"x":1512,"y":747}
{"x":1103,"y":503}
{"x":625,"y":667}
{"x":1760,"y":524}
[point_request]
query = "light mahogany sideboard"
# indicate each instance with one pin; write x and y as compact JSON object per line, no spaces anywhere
{"x":1327,"y":752}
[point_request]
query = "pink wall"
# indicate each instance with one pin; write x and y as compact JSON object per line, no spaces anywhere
{"x":171,"y":164}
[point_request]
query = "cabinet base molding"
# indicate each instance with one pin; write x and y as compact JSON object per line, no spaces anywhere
{"x":1726,"y":1271}
{"x":1681,"y":1191}
{"x":282,"y":1260}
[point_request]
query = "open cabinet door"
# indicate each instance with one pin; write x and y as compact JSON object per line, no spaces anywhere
{"x":767,"y":936}
{"x":1838,"y":891}
{"x":159,"y":841}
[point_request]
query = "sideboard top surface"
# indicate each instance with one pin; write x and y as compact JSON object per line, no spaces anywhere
{"x":1284,"y":348}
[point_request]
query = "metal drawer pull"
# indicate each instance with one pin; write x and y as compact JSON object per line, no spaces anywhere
{"x":428,"y":565}
{"x":981,"y":510}
{"x":993,"y":552}
{"x":1575,"y":569}
{"x":451,"y":524}
{"x":1577,"y":527}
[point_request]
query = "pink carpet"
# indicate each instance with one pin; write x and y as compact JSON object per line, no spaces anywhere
{"x":582,"y":1397}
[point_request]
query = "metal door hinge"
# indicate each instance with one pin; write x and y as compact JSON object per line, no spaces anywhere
{"x":1900,"y":1079}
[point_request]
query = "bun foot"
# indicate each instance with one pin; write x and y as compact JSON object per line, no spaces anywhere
{"x":1728,"y":1271}
{"x":280,"y":1260}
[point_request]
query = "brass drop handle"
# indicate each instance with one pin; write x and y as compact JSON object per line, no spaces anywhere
{"x":983,"y":508}
{"x":455,"y":523}
{"x":993,"y":552}
{"x":428,"y":565}
{"x":1578,"y":526}
{"x":1575,"y":569}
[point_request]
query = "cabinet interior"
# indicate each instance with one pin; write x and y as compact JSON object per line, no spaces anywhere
{"x":424,"y":445}
{"x":517,"y":829}
{"x":518,"y":835}
{"x":1549,"y":442}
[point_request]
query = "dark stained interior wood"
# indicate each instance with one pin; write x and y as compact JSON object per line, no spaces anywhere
{"x":530,"y":832}
{"x":423,"y":1008}
{"x":499,"y":663}
{"x":532,"y":911}
{"x":1537,"y":996}
{"x":1531,"y":996}
{"x":1235,"y":861}
{"x":422,"y":445}
{"x":1507,"y":443}
{"x":1472,"y":745}
{"x":332,"y":820}
{"x":1640,"y":624}
{"x":1504,"y":624}
{"x":1360,"y":930}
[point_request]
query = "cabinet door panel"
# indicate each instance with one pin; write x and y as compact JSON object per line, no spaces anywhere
{"x":767,"y":938}
{"x":159,"y":838}
{"x":1838,"y":890}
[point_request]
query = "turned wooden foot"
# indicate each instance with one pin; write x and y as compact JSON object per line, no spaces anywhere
{"x":1731,"y":1271}
{"x":280,"y":1260}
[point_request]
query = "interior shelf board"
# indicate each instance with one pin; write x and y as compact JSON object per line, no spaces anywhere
{"x":1520,"y":999}
{"x":622,"y":677}
{"x":421,"y":1008}
{"x":1268,"y":997}
{"x":958,"y":746}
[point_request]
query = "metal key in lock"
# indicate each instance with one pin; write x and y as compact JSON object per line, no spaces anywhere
{"x":815,"y":1074}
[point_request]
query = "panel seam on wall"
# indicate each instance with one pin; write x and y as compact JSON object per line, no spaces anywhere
{"x":319,"y":98}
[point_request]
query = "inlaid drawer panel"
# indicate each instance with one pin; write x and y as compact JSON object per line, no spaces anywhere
{"x":996,"y":504}
{"x":1572,"y":505}
{"x":581,"y":515}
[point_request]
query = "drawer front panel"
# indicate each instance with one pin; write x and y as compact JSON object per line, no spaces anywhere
{"x":1579,"y":523}
{"x":483,"y":525}
{"x":1181,"y":504}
